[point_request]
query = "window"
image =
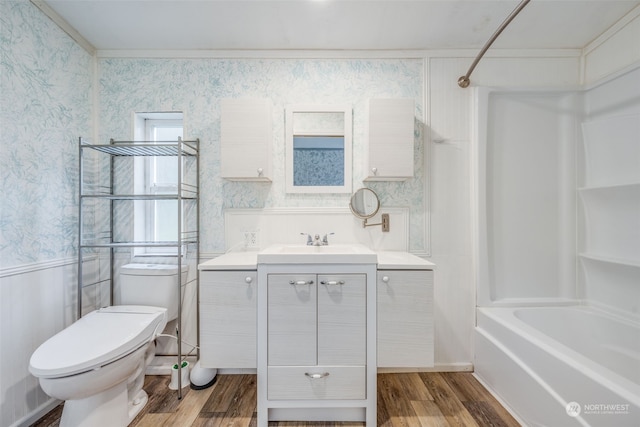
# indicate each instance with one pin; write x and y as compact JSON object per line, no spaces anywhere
{"x":156,"y":220}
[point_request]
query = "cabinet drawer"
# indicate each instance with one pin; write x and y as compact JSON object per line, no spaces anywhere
{"x":297,"y":383}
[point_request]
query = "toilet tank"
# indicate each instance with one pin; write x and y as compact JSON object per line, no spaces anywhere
{"x":152,"y":284}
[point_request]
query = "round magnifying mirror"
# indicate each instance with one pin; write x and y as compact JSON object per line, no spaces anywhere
{"x":364,"y":203}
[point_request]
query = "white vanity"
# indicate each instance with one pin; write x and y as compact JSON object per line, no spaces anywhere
{"x":316,"y":323}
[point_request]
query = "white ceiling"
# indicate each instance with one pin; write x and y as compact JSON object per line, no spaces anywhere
{"x":336,"y":24}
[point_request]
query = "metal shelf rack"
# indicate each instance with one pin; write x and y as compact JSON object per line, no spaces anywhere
{"x":106,"y":192}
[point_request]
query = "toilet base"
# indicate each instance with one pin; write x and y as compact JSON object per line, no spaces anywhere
{"x":137,"y":404}
{"x":105,"y":409}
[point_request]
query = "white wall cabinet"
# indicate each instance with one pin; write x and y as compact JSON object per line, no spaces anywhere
{"x":391,"y":139}
{"x":246,"y":134}
{"x":405,"y":318}
{"x":228,"y":319}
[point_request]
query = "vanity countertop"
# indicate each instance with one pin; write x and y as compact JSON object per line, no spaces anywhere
{"x":245,"y":260}
{"x":248,"y":260}
{"x":400,"y":260}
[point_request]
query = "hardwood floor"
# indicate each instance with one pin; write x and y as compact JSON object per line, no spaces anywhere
{"x":433,"y":399}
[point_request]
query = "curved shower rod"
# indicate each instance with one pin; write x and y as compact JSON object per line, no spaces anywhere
{"x":464,"y":81}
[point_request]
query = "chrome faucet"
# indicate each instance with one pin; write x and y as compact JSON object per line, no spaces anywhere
{"x":315,"y":241}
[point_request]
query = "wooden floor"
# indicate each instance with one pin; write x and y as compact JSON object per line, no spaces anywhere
{"x":409,"y":399}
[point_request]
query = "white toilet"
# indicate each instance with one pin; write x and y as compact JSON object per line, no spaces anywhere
{"x":97,"y":365}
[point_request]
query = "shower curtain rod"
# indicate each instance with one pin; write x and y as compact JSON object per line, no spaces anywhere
{"x":464,"y":81}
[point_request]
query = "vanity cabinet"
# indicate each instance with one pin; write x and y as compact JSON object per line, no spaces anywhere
{"x":391,"y":139}
{"x":246,"y":134}
{"x":317,"y":336}
{"x":405,"y":318}
{"x":228,"y":311}
{"x":316,"y":342}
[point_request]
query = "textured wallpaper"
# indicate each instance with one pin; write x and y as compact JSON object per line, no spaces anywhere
{"x":196,"y":86}
{"x":45,"y":105}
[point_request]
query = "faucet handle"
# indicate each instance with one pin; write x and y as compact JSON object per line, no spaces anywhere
{"x":309,"y":240}
{"x":325,"y":240}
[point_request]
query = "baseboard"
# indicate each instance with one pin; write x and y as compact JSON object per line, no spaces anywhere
{"x":438,"y":367}
{"x":38,"y":413}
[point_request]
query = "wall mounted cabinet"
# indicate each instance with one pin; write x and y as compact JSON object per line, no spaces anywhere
{"x":391,"y":139}
{"x":246,"y":137}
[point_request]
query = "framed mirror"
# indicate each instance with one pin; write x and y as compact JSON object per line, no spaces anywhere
{"x":318,"y":149}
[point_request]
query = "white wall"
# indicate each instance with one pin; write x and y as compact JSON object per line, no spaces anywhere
{"x":45,"y":104}
{"x":614,"y":50}
{"x":449,"y":116}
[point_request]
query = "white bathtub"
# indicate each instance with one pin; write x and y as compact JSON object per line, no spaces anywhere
{"x":560,"y":366}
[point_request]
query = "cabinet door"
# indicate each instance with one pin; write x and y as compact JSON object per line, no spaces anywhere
{"x":246,"y":136}
{"x":342,"y":319}
{"x":228,"y":309}
{"x":391,"y":140}
{"x":291,"y":308}
{"x":405,"y":318}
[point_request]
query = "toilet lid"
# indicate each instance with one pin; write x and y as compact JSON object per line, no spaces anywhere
{"x":97,"y":339}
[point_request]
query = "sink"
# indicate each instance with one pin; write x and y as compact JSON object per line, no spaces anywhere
{"x":330,"y":254}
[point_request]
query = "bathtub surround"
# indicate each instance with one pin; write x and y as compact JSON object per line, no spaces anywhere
{"x":558,"y":187}
{"x":53,"y":92}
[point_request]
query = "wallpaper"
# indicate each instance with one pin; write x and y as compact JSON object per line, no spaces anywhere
{"x":196,"y":86}
{"x":45,"y":105}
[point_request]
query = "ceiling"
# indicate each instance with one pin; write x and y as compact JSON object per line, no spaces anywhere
{"x":336,"y":24}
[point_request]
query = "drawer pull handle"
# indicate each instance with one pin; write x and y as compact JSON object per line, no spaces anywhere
{"x":301,"y":282}
{"x":332,"y":282}
{"x":317,"y":376}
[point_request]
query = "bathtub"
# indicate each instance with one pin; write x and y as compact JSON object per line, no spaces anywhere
{"x":560,"y":366}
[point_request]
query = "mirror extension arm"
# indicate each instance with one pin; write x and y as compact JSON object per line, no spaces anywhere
{"x":385,"y":222}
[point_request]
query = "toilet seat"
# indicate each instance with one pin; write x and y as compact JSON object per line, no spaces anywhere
{"x":97,"y":339}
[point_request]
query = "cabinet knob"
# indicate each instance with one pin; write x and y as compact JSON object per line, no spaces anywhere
{"x":385,"y":279}
{"x":259,"y":171}
{"x":248,"y":279}
{"x":374,"y":170}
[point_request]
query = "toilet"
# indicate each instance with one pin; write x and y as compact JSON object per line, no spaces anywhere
{"x":97,"y":364}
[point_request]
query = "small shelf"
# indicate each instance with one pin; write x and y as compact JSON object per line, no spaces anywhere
{"x":622,"y":186}
{"x":608,"y":259}
{"x":146,"y":148}
{"x":140,"y":196}
{"x":167,"y":244}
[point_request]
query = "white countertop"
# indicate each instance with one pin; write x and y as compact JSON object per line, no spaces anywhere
{"x":387,"y":260}
{"x":398,"y":260}
{"x":232,"y":261}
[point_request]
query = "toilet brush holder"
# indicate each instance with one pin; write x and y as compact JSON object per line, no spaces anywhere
{"x":173,"y":385}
